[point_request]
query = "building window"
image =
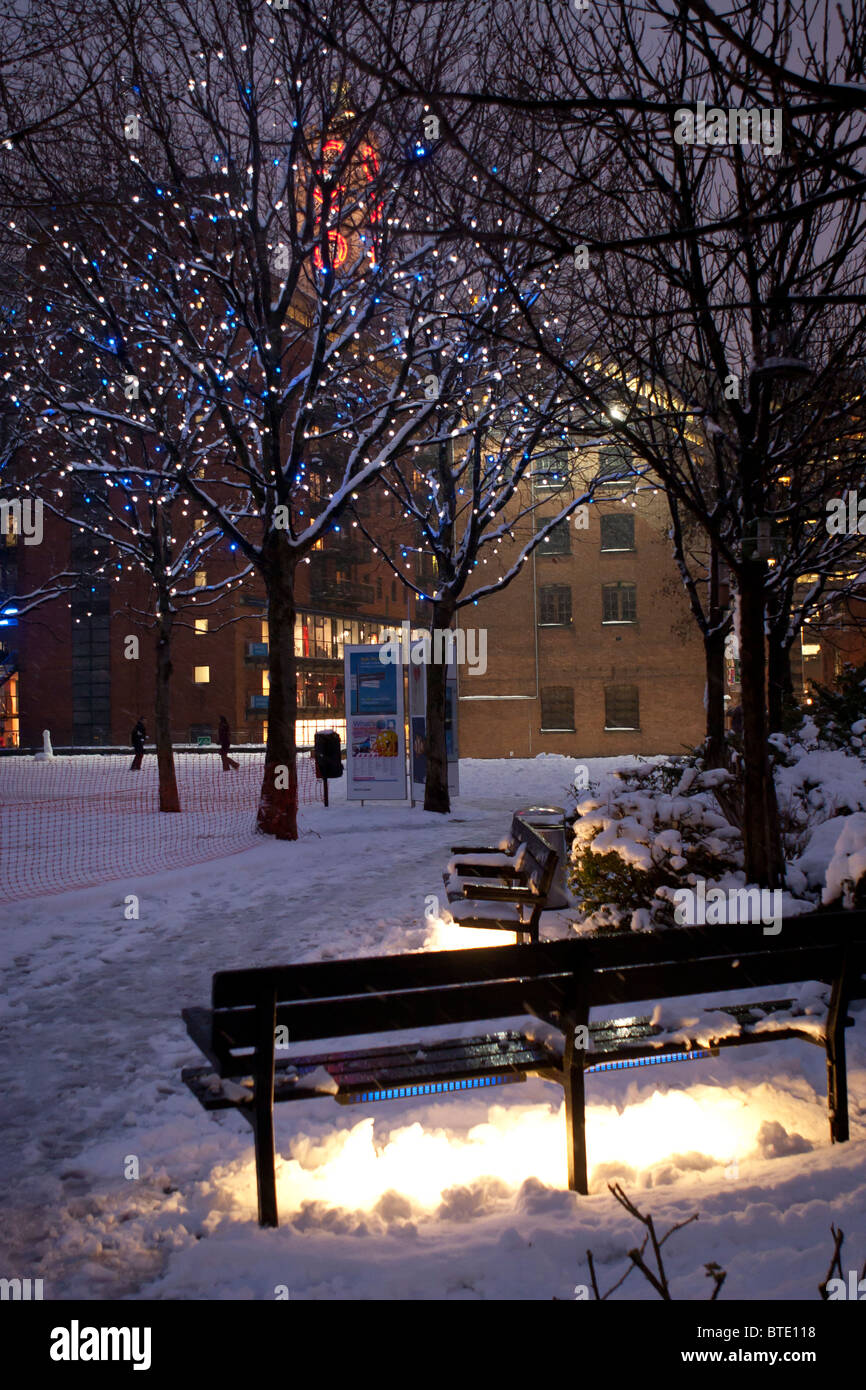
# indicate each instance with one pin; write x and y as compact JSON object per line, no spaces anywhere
{"x":306,"y":730}
{"x":617,"y":531}
{"x":320,"y":690}
{"x":621,"y":707}
{"x":201,"y":675}
{"x":393,"y":591}
{"x":9,"y":719}
{"x":200,"y":579}
{"x":378,"y":588}
{"x":558,"y":542}
{"x":198,"y":523}
{"x":557,"y":709}
{"x":615,"y":462}
{"x":553,"y":471}
{"x":554,"y":605}
{"x":619,"y":603}
{"x":200,"y":627}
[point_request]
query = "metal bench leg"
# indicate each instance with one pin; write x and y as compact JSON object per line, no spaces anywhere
{"x":263,"y":1126}
{"x":837,"y":1069}
{"x":575,"y":1111}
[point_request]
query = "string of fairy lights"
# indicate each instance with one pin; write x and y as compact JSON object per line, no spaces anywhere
{"x":141,"y":362}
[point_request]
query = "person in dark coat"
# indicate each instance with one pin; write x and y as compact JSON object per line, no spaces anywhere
{"x":137,"y":737}
{"x":225,"y":740}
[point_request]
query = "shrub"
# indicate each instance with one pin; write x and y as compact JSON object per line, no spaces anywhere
{"x":663,"y":830}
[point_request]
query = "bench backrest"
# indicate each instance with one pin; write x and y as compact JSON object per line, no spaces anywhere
{"x":540,"y":858}
{"x":553,"y":979}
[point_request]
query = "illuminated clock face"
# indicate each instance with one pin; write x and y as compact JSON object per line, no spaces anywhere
{"x":369,"y":165}
{"x":339,"y":251}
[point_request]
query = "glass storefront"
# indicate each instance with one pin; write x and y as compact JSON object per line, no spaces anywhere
{"x":9,"y":725}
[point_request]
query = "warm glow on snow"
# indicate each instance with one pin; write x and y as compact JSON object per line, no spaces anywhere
{"x":701,"y":1128}
{"x":447,"y":936}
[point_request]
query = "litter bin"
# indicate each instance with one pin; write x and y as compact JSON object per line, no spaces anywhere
{"x":549,"y":821}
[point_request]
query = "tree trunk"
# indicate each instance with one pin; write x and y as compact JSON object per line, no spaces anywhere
{"x":436,"y":797}
{"x":714,"y":657}
{"x":780,"y":686}
{"x":278,"y":801}
{"x":168,"y":795}
{"x":764,"y":864}
{"x":715,"y":635}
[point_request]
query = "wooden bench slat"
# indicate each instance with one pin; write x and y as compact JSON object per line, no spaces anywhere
{"x":318,"y":979}
{"x":310,"y":1020}
{"x":393,"y":1068}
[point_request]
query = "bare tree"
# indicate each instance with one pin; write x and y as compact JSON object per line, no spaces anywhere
{"x":239,"y":243}
{"x":465,"y":487}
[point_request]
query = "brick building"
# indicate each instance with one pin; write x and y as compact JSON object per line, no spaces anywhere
{"x":592,"y":650}
{"x":73,"y":676}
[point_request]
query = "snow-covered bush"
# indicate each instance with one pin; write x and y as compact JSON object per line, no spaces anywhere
{"x":647,"y":830}
{"x":814,"y":784}
{"x":662,"y":830}
{"x":845,"y":884}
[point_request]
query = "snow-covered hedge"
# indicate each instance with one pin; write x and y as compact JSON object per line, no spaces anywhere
{"x":665,"y":824}
{"x":664,"y":828}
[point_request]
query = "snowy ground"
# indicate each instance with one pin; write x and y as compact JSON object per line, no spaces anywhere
{"x":456,"y":1198}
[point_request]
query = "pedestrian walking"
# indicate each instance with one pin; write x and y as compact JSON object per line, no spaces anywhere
{"x":137,"y":737}
{"x":225,"y":741}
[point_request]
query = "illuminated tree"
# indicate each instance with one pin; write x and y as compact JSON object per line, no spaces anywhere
{"x":237,"y":251}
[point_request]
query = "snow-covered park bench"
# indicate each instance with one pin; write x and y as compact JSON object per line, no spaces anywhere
{"x":540,"y":995}
{"x":504,"y":888}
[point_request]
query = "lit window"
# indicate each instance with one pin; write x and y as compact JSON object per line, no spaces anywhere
{"x":202,"y":675}
{"x":200,"y":579}
{"x":198,"y":524}
{"x":200,"y":626}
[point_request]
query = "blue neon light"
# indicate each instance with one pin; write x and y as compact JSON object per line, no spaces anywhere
{"x":626,"y":1062}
